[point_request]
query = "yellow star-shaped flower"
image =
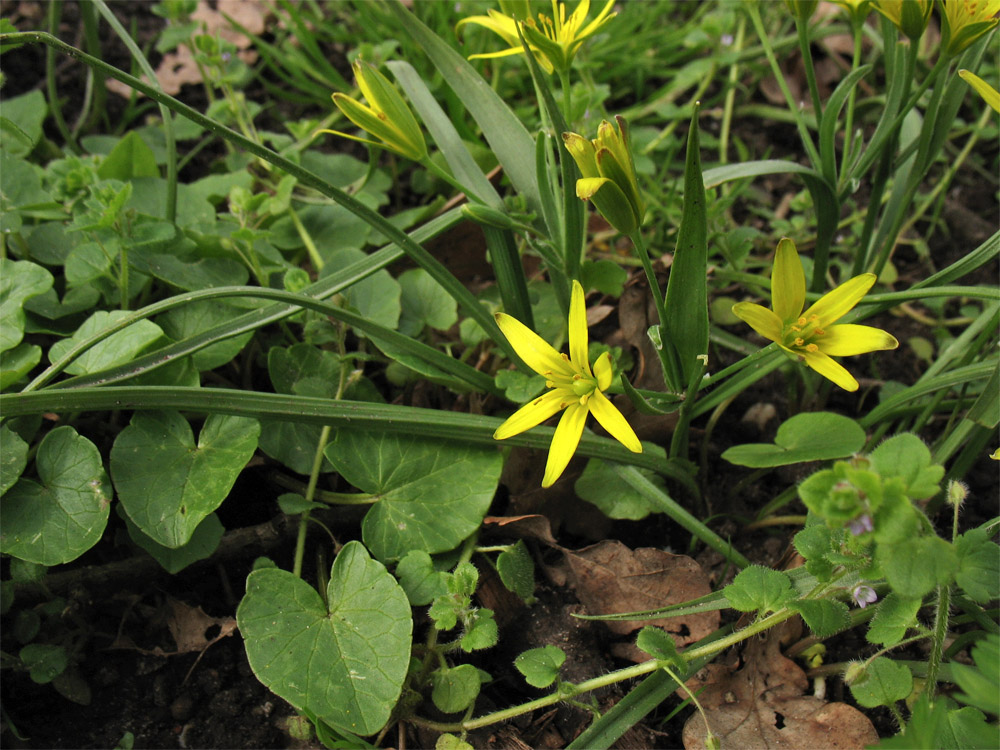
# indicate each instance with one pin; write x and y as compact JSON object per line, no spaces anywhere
{"x":575,"y":390}
{"x":811,"y":336}
{"x":555,"y":39}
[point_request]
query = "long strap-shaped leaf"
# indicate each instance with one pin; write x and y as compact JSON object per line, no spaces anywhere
{"x":466,"y":300}
{"x":403,"y":343}
{"x":358,"y":414}
{"x":507,"y":136}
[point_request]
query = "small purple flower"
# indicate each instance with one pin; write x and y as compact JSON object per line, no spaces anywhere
{"x":863,"y":595}
{"x":861,"y":525}
{"x":727,"y":39}
{"x":226,"y":57}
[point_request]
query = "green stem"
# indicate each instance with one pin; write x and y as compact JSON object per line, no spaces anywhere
{"x":730,"y":101}
{"x":170,"y":210}
{"x":55,"y":13}
{"x":647,"y":266}
{"x":569,"y":690}
{"x":940,"y":632}
{"x":807,"y":141}
{"x":802,"y":26}
{"x":851,"y":98}
{"x":300,"y":541}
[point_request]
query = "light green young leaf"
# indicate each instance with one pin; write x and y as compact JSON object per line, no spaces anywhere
{"x":757,"y":588}
{"x":906,"y":456}
{"x":456,"y":688}
{"x":167,"y":483}
{"x":481,"y":632}
{"x":883,"y":683}
{"x":59,"y":519}
{"x":895,"y":615}
{"x":659,"y":644}
{"x":797,"y":441}
{"x":116,"y":349}
{"x":431,"y":494}
{"x":540,"y":666}
{"x":344,"y":660}
{"x":20,"y":280}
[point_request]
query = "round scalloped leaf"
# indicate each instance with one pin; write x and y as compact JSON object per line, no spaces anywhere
{"x":344,"y":661}
{"x":59,"y":519}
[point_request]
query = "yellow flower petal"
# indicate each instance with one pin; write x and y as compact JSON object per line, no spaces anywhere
{"x":564,"y":442}
{"x":532,"y":348}
{"x":578,"y":342}
{"x":603,"y":371}
{"x":531,"y":414}
{"x":612,"y":420}
{"x":847,"y":340}
{"x":990,"y":95}
{"x":833,"y":305}
{"x":788,"y":282}
{"x":829,"y":369}
{"x":762,"y":320}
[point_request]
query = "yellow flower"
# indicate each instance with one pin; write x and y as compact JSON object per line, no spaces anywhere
{"x":910,"y":16}
{"x":965,"y":21}
{"x":554,"y":40}
{"x":811,"y":336}
{"x":857,"y":9}
{"x":608,"y":175}
{"x":990,"y":95}
{"x":575,"y":390}
{"x":387,"y":116}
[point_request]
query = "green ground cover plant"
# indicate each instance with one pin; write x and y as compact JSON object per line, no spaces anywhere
{"x":386,"y":263}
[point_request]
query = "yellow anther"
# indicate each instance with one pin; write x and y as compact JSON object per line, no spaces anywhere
{"x":799,"y":342}
{"x":796,"y":329}
{"x":818,"y":332}
{"x":812,"y":348}
{"x":813,"y":318}
{"x":801,"y":322}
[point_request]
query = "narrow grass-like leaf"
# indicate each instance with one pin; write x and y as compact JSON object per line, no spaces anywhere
{"x":386,"y":417}
{"x":463,"y":166}
{"x":828,"y":123}
{"x":502,"y":129}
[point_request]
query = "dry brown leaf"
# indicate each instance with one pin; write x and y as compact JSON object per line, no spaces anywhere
{"x":190,"y":626}
{"x":609,"y":577}
{"x":762,"y":706}
{"x":531,"y":526}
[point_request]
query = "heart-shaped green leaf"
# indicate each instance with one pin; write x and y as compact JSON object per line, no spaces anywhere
{"x":167,"y":484}
{"x":431,"y":494}
{"x":116,"y":349}
{"x":344,"y":660}
{"x":62,"y":517}
{"x":815,"y":436}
